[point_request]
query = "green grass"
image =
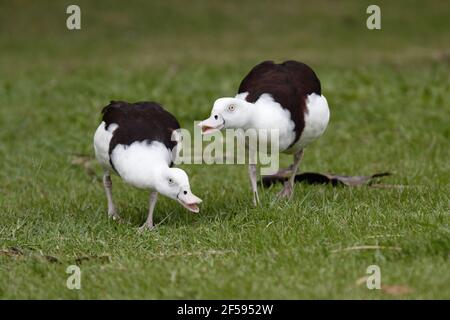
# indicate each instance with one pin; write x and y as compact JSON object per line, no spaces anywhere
{"x":389,"y":96}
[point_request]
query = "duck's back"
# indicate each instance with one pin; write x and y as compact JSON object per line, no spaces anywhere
{"x":126,"y":123}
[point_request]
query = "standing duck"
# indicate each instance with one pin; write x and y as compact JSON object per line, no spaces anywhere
{"x":286,"y":97}
{"x":134,"y":140}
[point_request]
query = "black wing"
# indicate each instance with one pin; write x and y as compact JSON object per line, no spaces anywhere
{"x":140,"y":121}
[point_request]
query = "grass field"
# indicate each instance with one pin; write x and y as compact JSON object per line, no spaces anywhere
{"x":388,"y":91}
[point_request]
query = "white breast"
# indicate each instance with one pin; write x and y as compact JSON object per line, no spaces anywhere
{"x":102,"y":138}
{"x":140,"y":163}
{"x":270,"y":115}
{"x":316,"y":121}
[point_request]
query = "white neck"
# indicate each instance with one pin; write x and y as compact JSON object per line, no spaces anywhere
{"x":249,"y":111}
{"x":156,"y":173}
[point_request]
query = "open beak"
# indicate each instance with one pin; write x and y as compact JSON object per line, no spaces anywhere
{"x":211,"y":125}
{"x":189,"y":201}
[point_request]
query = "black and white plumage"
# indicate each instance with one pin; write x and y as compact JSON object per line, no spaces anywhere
{"x":286,"y":97}
{"x":135,"y":140}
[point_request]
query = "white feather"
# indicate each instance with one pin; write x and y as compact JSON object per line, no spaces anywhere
{"x":102,"y":138}
{"x":316,"y":121}
{"x":141,"y":163}
{"x":268,"y":114}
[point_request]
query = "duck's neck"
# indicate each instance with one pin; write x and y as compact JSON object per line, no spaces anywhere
{"x":249,"y":115}
{"x":158,"y":173}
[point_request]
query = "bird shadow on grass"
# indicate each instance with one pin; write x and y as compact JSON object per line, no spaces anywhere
{"x":329,"y":178}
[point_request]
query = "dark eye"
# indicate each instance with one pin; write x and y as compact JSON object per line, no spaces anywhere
{"x":216,"y":117}
{"x":231,"y":107}
{"x":170,"y":181}
{"x":185,"y":192}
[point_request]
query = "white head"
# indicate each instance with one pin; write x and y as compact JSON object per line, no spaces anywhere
{"x":174,"y":183}
{"x":227,"y":113}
